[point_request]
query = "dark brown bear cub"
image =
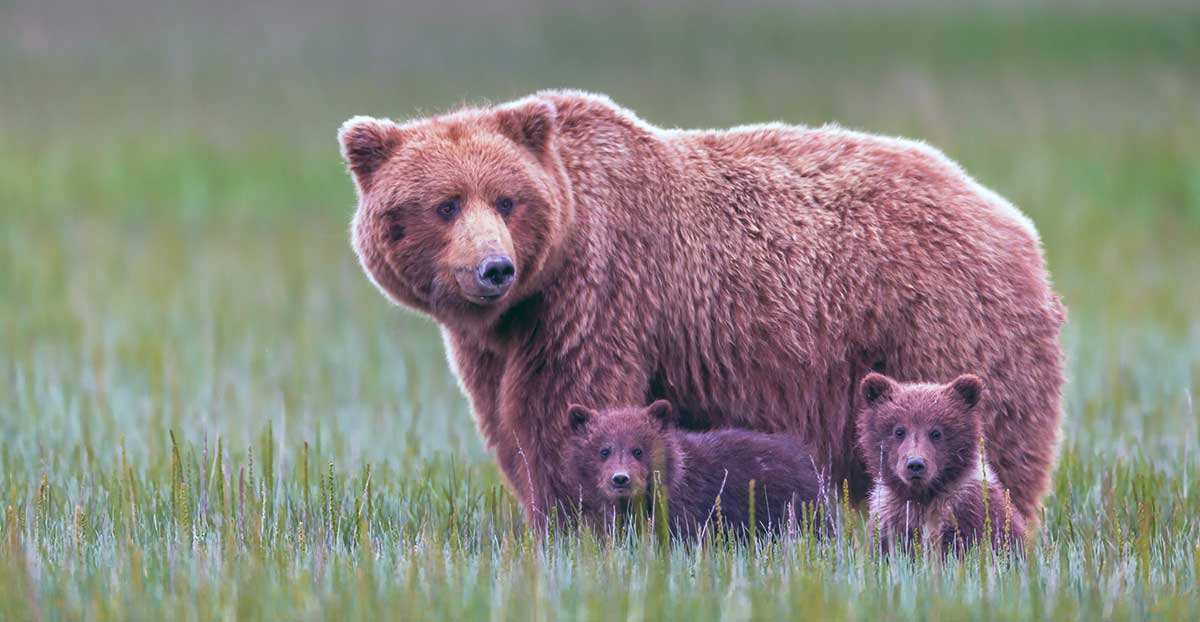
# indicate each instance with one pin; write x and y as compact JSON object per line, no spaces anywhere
{"x":614,"y":454}
{"x":921,"y":444}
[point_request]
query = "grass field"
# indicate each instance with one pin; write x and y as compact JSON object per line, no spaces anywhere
{"x":207,"y":412}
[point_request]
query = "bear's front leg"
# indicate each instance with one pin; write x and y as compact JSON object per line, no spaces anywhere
{"x":480,"y":372}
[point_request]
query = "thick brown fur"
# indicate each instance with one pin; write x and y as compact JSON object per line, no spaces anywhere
{"x":614,"y":454}
{"x":931,"y":483}
{"x":752,"y":276}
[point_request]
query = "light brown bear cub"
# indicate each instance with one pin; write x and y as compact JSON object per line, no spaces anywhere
{"x":922,"y":445}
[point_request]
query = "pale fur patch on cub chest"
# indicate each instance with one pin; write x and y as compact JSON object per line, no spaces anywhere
{"x":896,"y":517}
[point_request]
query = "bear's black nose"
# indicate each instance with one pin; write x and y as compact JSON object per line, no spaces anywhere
{"x":915,"y":466}
{"x":620,"y":479}
{"x":494,"y":274}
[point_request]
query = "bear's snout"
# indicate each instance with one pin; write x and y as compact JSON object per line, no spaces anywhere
{"x":481,"y":255}
{"x":622,"y":482}
{"x":917,"y":468}
{"x":488,"y":280}
{"x":495,"y":274}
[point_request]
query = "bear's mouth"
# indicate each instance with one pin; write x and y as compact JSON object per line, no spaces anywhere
{"x":483,"y":299}
{"x":449,"y":298}
{"x":619,"y":491}
{"x":476,"y":293}
{"x":921,"y":487}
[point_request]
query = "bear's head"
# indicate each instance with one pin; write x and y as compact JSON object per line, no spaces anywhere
{"x":459,"y":215}
{"x":919,"y":439}
{"x":616,"y":452}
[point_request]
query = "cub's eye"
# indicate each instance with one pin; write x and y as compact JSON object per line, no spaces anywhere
{"x":637,"y":453}
{"x":604,"y":453}
{"x":505,"y":205}
{"x":935,"y":435}
{"x":448,"y":209}
{"x":899,"y":432}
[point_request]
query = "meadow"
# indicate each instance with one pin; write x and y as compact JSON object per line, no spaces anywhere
{"x":207,"y":412}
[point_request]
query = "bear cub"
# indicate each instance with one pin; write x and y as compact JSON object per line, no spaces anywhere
{"x":613,"y":455}
{"x":921,"y":444}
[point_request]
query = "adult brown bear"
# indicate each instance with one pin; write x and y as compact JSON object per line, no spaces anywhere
{"x":571,"y":252}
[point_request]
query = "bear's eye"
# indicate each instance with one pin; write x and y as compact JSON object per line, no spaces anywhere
{"x":448,"y":209}
{"x":637,"y":453}
{"x":604,"y":453}
{"x":935,"y":435}
{"x":899,"y":432}
{"x":505,"y":205}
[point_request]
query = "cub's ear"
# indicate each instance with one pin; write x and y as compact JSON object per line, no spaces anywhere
{"x":529,"y":123}
{"x":967,"y":389}
{"x":580,"y":417}
{"x":366,"y":144}
{"x":877,"y":389}
{"x":663,"y":412}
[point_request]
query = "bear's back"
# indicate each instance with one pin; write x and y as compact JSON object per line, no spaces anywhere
{"x":722,"y":463}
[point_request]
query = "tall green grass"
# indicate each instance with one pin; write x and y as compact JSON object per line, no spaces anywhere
{"x":207,"y":412}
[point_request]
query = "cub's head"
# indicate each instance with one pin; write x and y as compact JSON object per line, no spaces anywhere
{"x":919,"y":439}
{"x":460,"y":214}
{"x":616,"y":452}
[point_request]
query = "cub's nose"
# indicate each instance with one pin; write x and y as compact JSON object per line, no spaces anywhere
{"x":915,"y":466}
{"x":620,"y":479}
{"x":495,"y":274}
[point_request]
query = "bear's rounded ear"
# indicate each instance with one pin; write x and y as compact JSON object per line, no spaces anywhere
{"x":580,"y":417}
{"x":366,"y":144}
{"x":529,"y":123}
{"x":967,"y":389}
{"x":663,"y":412}
{"x":877,"y":389}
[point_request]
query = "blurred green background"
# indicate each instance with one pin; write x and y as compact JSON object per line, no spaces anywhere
{"x":173,"y":216}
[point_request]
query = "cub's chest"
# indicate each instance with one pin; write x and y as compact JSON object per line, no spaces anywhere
{"x":903,"y":519}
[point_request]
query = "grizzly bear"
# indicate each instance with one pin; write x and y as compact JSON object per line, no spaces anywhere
{"x":932,"y":485}
{"x":573,"y":253}
{"x":705,"y":476}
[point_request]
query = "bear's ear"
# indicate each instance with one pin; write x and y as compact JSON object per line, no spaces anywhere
{"x":967,"y":389}
{"x":529,"y":123}
{"x":877,"y":389}
{"x":366,"y":144}
{"x":663,"y":412}
{"x":580,"y":417}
